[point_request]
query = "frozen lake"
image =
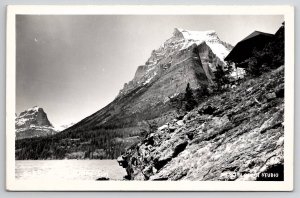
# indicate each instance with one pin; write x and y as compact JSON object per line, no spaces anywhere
{"x":68,"y":169}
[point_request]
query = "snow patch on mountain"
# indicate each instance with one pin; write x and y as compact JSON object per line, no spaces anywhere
{"x":33,"y":122}
{"x":210,"y":37}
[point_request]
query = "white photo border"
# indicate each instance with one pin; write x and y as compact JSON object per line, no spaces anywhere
{"x":31,"y":185}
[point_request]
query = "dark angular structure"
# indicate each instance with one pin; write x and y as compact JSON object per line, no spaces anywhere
{"x":243,"y":49}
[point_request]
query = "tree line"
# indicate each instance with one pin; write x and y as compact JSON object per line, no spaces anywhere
{"x":92,"y":144}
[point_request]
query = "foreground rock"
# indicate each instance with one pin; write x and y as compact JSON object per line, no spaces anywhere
{"x":238,"y":135}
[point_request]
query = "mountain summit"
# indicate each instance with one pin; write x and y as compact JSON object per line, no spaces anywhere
{"x":210,"y":51}
{"x":33,"y":122}
{"x":218,"y":47}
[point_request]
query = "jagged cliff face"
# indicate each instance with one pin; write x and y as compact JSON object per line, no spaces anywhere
{"x":33,"y":123}
{"x":238,"y":135}
{"x":187,"y":57}
{"x":208,"y":51}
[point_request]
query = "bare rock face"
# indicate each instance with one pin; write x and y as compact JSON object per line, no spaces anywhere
{"x":208,"y":51}
{"x":238,"y":135}
{"x":33,"y":123}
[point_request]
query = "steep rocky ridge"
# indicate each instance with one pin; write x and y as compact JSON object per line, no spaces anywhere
{"x":33,"y":122}
{"x":238,"y":135}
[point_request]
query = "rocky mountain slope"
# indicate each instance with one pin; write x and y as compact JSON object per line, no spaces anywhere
{"x":188,"y":57}
{"x":238,"y":135}
{"x":203,"y":47}
{"x":33,"y":122}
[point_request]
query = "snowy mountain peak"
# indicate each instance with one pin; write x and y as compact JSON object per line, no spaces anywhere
{"x":210,"y":37}
{"x":176,"y":49}
{"x":33,"y":116}
{"x":33,"y":122}
{"x":35,"y":108}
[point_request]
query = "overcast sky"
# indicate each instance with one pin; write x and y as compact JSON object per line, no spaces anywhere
{"x":72,"y":66}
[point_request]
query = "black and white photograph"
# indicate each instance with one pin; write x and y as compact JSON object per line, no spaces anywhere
{"x":150,"y":98}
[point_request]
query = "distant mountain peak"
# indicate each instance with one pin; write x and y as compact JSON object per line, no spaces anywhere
{"x":35,"y":115}
{"x":33,"y":122}
{"x":35,"y":108}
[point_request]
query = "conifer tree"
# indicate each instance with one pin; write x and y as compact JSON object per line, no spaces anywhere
{"x":221,"y":77}
{"x":189,"y":99}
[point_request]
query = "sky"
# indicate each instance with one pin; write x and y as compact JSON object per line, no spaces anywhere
{"x":72,"y":66}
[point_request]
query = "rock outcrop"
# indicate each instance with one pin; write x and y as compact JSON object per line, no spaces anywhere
{"x":33,"y":123}
{"x":238,"y":135}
